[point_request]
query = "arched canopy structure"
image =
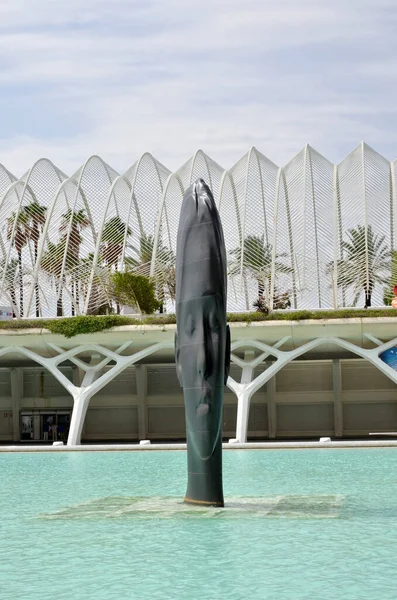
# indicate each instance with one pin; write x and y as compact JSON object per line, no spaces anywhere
{"x":308,"y":234}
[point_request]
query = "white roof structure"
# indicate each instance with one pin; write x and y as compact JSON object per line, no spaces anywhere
{"x":309,"y":234}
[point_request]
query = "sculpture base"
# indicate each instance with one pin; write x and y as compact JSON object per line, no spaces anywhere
{"x":205,"y":488}
{"x":203,"y":502}
{"x":295,"y":506}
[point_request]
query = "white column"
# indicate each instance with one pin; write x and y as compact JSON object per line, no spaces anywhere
{"x":80,"y":406}
{"x":271,"y":407}
{"x":244,"y":397}
{"x":243,"y":411}
{"x":16,"y":393}
{"x":337,"y":387}
{"x":81,"y":400}
{"x":141,"y":392}
{"x":94,"y":380}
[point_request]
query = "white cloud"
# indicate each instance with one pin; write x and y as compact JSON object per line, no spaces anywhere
{"x":170,"y":76}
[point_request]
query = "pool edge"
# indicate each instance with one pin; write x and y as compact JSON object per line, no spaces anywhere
{"x":226,"y":446}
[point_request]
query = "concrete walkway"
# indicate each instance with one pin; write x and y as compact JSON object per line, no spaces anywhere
{"x":226,"y":446}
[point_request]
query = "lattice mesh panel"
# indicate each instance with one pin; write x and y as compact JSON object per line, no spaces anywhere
{"x":201,"y":165}
{"x":316,"y":245}
{"x":229,"y":210}
{"x":12,"y":275}
{"x":379,"y":220}
{"x":114,"y":234}
{"x":31,"y":197}
{"x":288,"y":277}
{"x":349,"y":182}
{"x":306,"y":235}
{"x":6,"y":179}
{"x":393,"y":194}
{"x":164,"y":253}
{"x":251,"y":257}
{"x":67,"y":252}
{"x":365,"y":217}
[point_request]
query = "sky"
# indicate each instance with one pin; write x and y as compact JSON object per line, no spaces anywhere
{"x":121,"y":77}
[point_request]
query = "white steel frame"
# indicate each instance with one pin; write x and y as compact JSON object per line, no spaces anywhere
{"x":286,"y":229}
{"x":94,"y":378}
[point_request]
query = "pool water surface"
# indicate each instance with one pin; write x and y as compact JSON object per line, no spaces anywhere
{"x":298,"y":524}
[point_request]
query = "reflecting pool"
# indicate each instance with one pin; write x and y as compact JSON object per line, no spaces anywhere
{"x":298,"y":524}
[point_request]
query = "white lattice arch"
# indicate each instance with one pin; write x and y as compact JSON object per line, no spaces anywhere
{"x":111,"y":195}
{"x":36,"y":192}
{"x":163,"y":214}
{"x":9,"y":204}
{"x":147,"y":209}
{"x":306,"y":210}
{"x":6,"y":179}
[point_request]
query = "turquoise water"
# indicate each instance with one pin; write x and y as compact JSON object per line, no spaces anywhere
{"x":301,"y":524}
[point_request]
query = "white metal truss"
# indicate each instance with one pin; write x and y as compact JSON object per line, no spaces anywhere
{"x":308,"y":234}
{"x":248,"y":386}
{"x":95,"y":377}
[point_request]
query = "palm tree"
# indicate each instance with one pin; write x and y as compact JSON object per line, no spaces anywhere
{"x":366,"y":262}
{"x":165,"y":273}
{"x":97,"y":285}
{"x":389,"y":293}
{"x":256,"y":256}
{"x":72,"y":225}
{"x":143,"y":255}
{"x":36,"y":216}
{"x":165,"y":265}
{"x":11,"y":270}
{"x":51,"y":263}
{"x":112,"y":240}
{"x":21,"y":236}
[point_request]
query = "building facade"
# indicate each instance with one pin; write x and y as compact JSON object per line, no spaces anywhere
{"x":306,"y":235}
{"x":288,"y":380}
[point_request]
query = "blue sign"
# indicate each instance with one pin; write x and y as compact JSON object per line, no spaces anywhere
{"x":390,"y":357}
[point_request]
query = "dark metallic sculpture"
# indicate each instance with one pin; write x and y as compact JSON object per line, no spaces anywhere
{"x":202,"y":341}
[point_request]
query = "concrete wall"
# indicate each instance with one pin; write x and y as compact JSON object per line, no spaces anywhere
{"x":306,"y":399}
{"x":369,"y":399}
{"x":6,"y":406}
{"x":113,"y":412}
{"x":28,"y":389}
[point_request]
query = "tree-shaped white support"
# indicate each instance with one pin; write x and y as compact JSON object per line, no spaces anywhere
{"x":246,"y":388}
{"x":93,"y":380}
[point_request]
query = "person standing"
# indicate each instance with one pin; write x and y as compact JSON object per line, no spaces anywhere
{"x":45,"y":430}
{"x":54,"y":429}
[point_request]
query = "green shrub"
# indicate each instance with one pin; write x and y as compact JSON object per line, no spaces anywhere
{"x":84,"y":324}
{"x":135,"y":290}
{"x":71,"y":326}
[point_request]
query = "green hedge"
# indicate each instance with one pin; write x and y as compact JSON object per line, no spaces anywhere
{"x":72,"y":326}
